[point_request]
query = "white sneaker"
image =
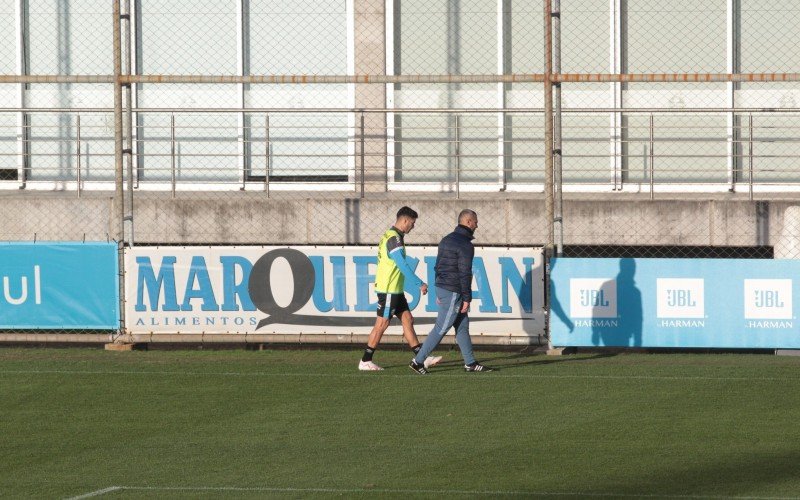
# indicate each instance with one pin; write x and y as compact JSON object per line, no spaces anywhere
{"x":431,"y":361}
{"x":368,"y":366}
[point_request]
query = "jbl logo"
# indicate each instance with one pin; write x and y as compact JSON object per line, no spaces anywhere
{"x":768,"y":299}
{"x":680,"y":298}
{"x":593,"y":298}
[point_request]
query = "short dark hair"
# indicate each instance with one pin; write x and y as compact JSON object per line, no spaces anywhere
{"x":407,"y":212}
{"x":465,"y":214}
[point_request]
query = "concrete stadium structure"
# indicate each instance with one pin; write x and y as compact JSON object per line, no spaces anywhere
{"x":718,"y":180}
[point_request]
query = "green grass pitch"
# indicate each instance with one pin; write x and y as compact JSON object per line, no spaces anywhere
{"x":307,"y":424}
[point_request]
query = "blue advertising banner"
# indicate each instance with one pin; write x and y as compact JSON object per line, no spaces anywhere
{"x":59,"y":286}
{"x":729,"y":303}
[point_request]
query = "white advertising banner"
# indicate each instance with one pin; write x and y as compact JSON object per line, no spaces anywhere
{"x":315,"y":290}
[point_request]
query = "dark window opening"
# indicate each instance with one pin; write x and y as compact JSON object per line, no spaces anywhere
{"x":669,"y":252}
{"x":298,"y":178}
{"x":8,"y":174}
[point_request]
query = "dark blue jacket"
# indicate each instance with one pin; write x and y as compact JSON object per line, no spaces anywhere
{"x":454,"y":262}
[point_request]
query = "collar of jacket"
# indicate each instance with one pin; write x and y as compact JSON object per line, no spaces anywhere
{"x":401,"y":233}
{"x":464,"y":230}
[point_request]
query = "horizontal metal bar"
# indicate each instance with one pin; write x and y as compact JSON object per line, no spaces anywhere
{"x":427,"y":78}
{"x":674,"y":77}
{"x":432,"y":111}
{"x":275,"y":79}
{"x":56,"y":78}
{"x":196,"y":169}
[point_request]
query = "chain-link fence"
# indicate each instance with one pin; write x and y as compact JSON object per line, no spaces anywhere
{"x":260,"y":122}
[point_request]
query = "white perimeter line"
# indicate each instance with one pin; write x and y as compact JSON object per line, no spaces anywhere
{"x":97,"y":493}
{"x":483,"y":376}
{"x":410,"y":492}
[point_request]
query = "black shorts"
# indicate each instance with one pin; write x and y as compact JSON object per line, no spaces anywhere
{"x":397,"y":304}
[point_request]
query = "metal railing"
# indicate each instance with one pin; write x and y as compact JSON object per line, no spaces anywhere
{"x":425,"y":149}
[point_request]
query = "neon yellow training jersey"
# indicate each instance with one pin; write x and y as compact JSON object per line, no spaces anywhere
{"x":388,"y":277}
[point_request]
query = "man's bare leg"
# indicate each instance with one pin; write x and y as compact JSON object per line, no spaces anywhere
{"x":366,"y":364}
{"x":409,"y":333}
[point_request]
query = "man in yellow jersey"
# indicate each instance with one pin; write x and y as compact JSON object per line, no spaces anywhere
{"x":393,"y":270}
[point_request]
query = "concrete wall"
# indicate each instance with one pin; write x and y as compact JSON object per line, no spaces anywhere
{"x":311,"y":218}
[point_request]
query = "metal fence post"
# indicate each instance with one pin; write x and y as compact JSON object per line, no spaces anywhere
{"x":172,"y":151}
{"x":458,"y":157}
{"x":245,"y":144}
{"x":652,"y":157}
{"x":118,"y":163}
{"x":118,"y":146}
{"x":78,"y":156}
{"x":558,"y":205}
{"x":548,"y":158}
{"x":750,"y":153}
{"x":128,"y":130}
{"x":363,"y":167}
{"x":266,"y":154}
{"x":548,"y":123}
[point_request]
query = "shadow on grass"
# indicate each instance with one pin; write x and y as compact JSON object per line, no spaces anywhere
{"x":511,"y":361}
{"x":721,"y":475}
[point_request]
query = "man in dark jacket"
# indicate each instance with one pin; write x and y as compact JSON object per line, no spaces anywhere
{"x":453,"y":293}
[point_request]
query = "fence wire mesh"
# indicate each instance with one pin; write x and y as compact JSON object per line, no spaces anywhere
{"x":678,"y":169}
{"x":647,"y":169}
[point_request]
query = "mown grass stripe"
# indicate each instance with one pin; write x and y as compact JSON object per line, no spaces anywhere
{"x":256,"y":489}
{"x":486,"y":376}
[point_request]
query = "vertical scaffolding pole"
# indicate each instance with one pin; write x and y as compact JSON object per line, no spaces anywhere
{"x":548,"y":156}
{"x":118,"y":145}
{"x":732,"y":66}
{"x":22,"y":120}
{"x":548,"y":124}
{"x":245,"y":143}
{"x":616,"y":65}
{"x":128,"y":121}
{"x":119,"y":201}
{"x":558,"y":223}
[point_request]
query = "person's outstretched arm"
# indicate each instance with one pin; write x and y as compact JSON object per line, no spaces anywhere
{"x":396,"y":254}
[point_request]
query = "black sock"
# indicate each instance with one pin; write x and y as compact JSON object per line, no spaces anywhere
{"x":416,"y":348}
{"x":368,"y":352}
